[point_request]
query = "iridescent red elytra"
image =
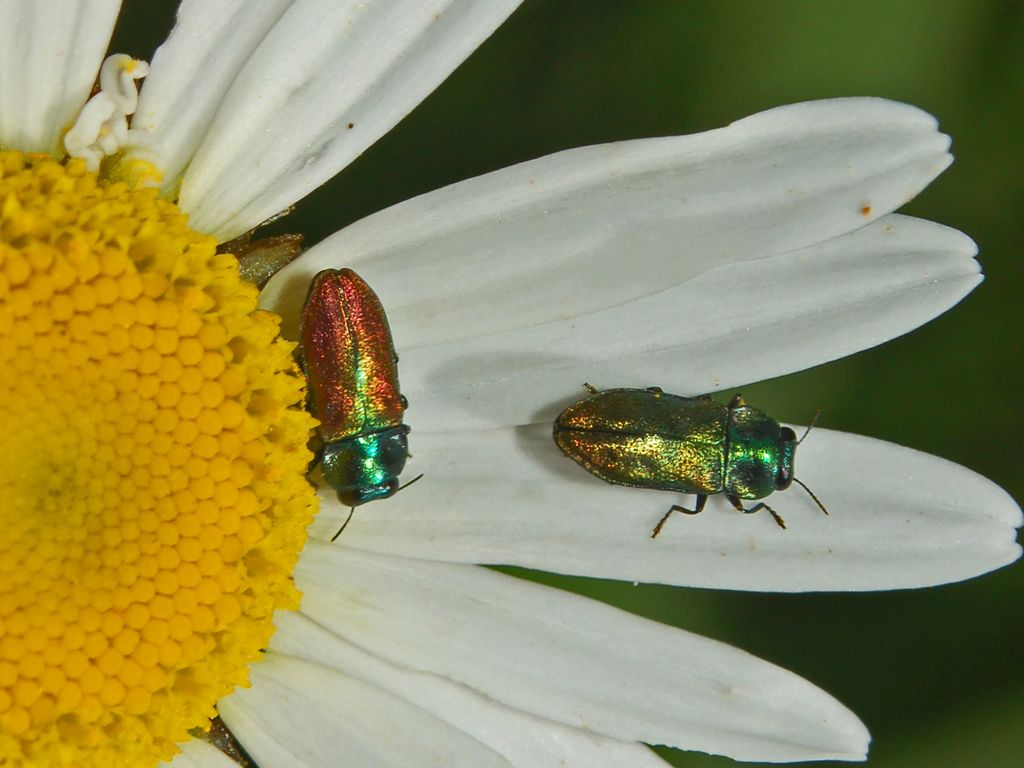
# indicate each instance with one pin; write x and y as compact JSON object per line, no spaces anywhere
{"x":352,"y":374}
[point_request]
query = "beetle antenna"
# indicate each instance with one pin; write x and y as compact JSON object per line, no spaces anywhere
{"x":403,"y":487}
{"x":811,"y":494}
{"x":350,"y":511}
{"x":810,"y":426}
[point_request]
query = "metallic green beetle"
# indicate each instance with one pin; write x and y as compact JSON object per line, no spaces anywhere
{"x":647,"y":438}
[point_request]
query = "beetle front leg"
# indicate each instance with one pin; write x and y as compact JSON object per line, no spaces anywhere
{"x":735,"y":501}
{"x":702,"y":499}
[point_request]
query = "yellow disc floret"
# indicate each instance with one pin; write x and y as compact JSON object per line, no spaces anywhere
{"x":153,"y":497}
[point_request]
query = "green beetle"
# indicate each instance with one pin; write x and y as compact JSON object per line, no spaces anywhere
{"x":647,"y":438}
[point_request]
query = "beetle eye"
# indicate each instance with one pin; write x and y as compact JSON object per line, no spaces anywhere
{"x":783,"y":477}
{"x":784,"y":469}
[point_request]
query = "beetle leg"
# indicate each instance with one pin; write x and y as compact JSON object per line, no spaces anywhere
{"x":735,"y":501}
{"x":775,"y":515}
{"x":702,"y":499}
{"x":590,"y":388}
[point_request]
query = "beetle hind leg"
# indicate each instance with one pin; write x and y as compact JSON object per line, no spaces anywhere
{"x":702,"y":499}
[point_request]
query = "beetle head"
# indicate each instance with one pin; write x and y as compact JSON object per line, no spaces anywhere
{"x":760,"y":458}
{"x":366,"y":467}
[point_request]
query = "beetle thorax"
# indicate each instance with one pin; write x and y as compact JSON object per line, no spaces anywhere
{"x":753,"y":452}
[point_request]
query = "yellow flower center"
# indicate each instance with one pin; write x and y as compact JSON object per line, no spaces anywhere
{"x":153,"y":497}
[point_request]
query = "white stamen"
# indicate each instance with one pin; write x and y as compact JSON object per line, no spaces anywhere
{"x":102,"y":126}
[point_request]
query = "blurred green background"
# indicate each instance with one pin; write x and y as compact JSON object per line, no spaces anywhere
{"x":935,"y":674}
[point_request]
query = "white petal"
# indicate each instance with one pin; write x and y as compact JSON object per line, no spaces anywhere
{"x":504,"y":297}
{"x":737,"y":323}
{"x":525,"y":740}
{"x":898,"y":518}
{"x":301,"y":715}
{"x":329,"y":79}
{"x":192,"y":71}
{"x":50,"y":53}
{"x":573,"y":660}
{"x":199,"y":754}
{"x":586,"y":229}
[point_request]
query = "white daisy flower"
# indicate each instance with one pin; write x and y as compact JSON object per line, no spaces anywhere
{"x":153,"y":458}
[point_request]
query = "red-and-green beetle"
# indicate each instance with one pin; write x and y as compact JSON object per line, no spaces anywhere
{"x":352,"y":373}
